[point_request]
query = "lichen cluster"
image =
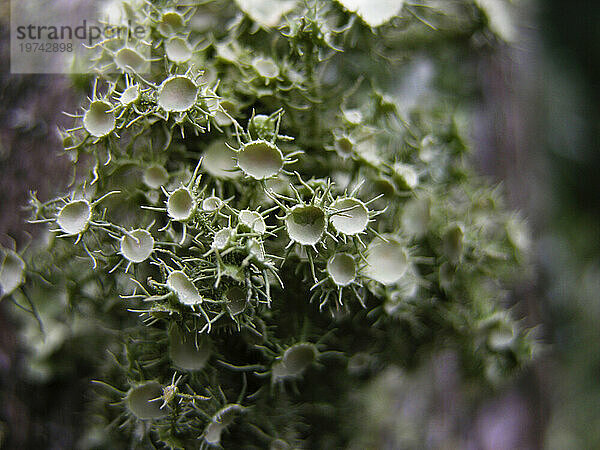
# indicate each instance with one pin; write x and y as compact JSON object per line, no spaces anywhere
{"x":261,"y":221}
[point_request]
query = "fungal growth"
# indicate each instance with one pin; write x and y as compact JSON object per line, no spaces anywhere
{"x":405,"y":176}
{"x":387,"y":262}
{"x":137,"y":245}
{"x":284,"y":230}
{"x":99,"y":120}
{"x":128,"y":59}
{"x":341,"y":267}
{"x":298,"y":357}
{"x":211,"y":204}
{"x":155,"y":176}
{"x":305,"y":224}
{"x":177,"y":94}
{"x":453,"y":243}
{"x":222,"y":238}
{"x":144,"y":401}
{"x":74,"y":217}
{"x":187,"y":293}
{"x":219,"y":423}
{"x":189,"y":351}
{"x":415,"y":217}
{"x":253,"y":221}
{"x":12,"y":272}
{"x":344,"y":146}
{"x":260,"y":159}
{"x":350,"y":216}
{"x":171,"y":22}
{"x":178,"y":50}
{"x":219,"y":160}
{"x":130,"y":95}
{"x":181,"y":204}
{"x":236,"y":300}
{"x":266,"y":68}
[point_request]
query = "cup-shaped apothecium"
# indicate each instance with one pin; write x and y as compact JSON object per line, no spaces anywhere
{"x":12,"y":272}
{"x":144,"y":401}
{"x":177,"y":94}
{"x":74,"y":217}
{"x":181,"y":204}
{"x":218,"y":160}
{"x":265,"y":67}
{"x":387,"y":261}
{"x":187,"y":293}
{"x":155,"y":176}
{"x":341,"y":268}
{"x":178,"y":50}
{"x":236,"y":300}
{"x":189,"y":351}
{"x":99,"y":120}
{"x":252,"y":220}
{"x":306,"y":224}
{"x":130,"y":95}
{"x":137,"y":245}
{"x":298,"y":357}
{"x":260,"y":159}
{"x":350,"y":216}
{"x":128,"y":59}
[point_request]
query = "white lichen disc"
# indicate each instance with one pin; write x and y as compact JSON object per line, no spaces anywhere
{"x":279,"y":371}
{"x":221,"y":117}
{"x":155,"y":176}
{"x":177,"y":94}
{"x":387,"y":262}
{"x":406,"y":176}
{"x":12,"y":272}
{"x":265,"y":67}
{"x":267,"y":13}
{"x":453,"y":242}
{"x":178,"y":50}
{"x":219,"y":160}
{"x":305,"y":224}
{"x":74,"y":217}
{"x":220,"y":421}
{"x":182,"y":286}
{"x":137,"y":245}
{"x":344,"y":146}
{"x":129,"y":59}
{"x":130,"y":95}
{"x":187,"y":351}
{"x":210,"y":204}
{"x":222,"y":238}
{"x":212,"y":433}
{"x":252,"y":220}
{"x":256,"y":249}
{"x":374,"y":12}
{"x":171,"y":21}
{"x":181,"y":204}
{"x":353,"y":116}
{"x":501,"y":338}
{"x":341,"y":267}
{"x":144,"y":401}
{"x":236,"y":300}
{"x":415,"y":217}
{"x":260,"y":159}
{"x":298,"y":357}
{"x":354,"y":218}
{"x":99,"y":119}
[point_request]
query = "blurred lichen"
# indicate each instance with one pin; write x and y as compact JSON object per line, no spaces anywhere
{"x":267,"y":223}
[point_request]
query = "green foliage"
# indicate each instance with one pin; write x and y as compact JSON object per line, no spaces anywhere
{"x":264,"y":206}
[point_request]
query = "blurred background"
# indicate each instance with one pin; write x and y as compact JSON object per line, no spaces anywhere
{"x":536,"y":131}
